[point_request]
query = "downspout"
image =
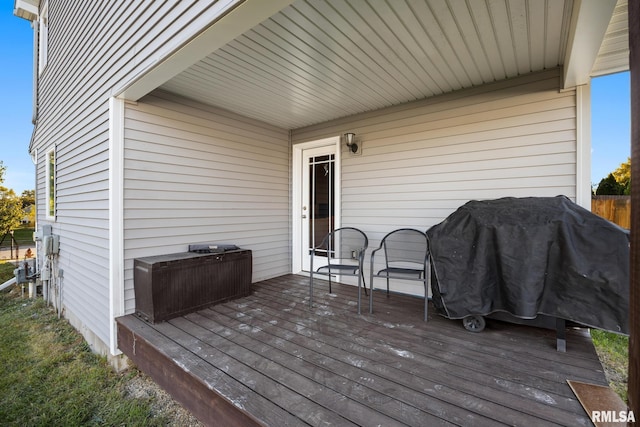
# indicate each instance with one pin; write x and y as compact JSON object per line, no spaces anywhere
{"x":34,"y":158}
{"x":34,"y":92}
{"x":33,"y":152}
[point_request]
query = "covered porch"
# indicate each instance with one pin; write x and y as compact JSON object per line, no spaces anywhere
{"x":269,"y":359}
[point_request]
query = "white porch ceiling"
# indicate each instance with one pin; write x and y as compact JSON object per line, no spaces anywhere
{"x":319,"y":60}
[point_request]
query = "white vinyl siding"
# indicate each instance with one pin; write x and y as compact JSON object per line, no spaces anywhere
{"x":94,"y":48}
{"x":421,"y":161}
{"x":195,"y":174}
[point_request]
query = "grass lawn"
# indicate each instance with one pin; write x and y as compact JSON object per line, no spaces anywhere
{"x":50,"y":377}
{"x":613,"y":351}
{"x":22,"y":235}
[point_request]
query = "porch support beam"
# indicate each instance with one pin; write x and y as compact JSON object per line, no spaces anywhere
{"x":583,"y":148}
{"x":234,"y":18}
{"x":634,"y":297}
{"x":589,"y":22}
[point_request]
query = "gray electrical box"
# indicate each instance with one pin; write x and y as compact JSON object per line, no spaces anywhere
{"x":51,"y":244}
{"x":21,"y":275}
{"x":43,"y":231}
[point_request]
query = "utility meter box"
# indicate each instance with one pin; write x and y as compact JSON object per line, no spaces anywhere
{"x":40,"y":233}
{"x":21,"y":275}
{"x":51,"y":244}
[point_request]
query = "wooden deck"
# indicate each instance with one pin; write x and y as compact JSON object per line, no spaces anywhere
{"x":268,"y":359}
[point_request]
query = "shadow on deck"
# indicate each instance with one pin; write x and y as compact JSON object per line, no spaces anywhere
{"x":268,"y":359}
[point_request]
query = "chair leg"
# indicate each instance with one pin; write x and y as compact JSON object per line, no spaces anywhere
{"x":426,"y":302}
{"x":364,"y":284}
{"x":387,"y":284}
{"x":311,"y":289}
{"x":330,"y":281}
{"x":427,"y":285}
{"x":311,"y":279}
{"x":371,"y":292}
{"x":359,"y":293}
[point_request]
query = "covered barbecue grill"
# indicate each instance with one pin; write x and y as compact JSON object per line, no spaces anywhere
{"x":528,"y":257}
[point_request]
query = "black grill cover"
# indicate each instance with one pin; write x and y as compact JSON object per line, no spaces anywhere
{"x":530,"y":256}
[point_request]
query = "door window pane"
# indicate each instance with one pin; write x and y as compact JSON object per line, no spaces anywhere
{"x":322,"y":181}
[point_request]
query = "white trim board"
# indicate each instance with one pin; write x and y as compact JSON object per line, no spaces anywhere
{"x":116,"y":215}
{"x":296,"y":199}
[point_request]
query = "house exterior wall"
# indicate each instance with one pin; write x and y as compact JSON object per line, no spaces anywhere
{"x":92,"y":50}
{"x":421,"y":161}
{"x":197,"y":174}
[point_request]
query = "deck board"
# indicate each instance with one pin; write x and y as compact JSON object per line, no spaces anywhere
{"x":278,"y":362}
{"x":411,"y":365}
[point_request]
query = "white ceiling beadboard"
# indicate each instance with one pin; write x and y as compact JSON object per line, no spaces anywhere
{"x":319,"y":60}
{"x":614,"y":52}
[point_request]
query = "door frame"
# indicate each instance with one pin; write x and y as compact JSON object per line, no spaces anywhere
{"x":297,"y":199}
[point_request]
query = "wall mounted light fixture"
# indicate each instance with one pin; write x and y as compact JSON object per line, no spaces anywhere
{"x":350,"y":139}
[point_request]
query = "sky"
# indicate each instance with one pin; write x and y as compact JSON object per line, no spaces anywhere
{"x":16,"y":73}
{"x":610,"y":116}
{"x":610,"y":124}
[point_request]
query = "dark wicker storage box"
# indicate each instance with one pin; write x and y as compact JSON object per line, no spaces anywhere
{"x":168,"y":286}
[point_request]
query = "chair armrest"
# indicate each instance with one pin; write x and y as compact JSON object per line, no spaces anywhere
{"x":373,"y":253}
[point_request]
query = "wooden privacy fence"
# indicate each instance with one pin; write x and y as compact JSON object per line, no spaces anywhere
{"x":614,"y":208}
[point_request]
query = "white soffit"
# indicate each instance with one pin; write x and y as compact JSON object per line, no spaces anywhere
{"x":27,"y":9}
{"x":319,"y":60}
{"x":235,"y":17}
{"x":613,"y":56}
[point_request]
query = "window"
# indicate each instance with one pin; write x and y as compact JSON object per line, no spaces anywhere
{"x":51,"y":185}
{"x":43,"y":33}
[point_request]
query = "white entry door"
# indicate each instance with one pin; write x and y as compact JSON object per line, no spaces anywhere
{"x":317,"y":201}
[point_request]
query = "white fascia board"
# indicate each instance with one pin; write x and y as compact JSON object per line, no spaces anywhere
{"x":589,"y":22}
{"x":27,"y":9}
{"x":235,"y":18}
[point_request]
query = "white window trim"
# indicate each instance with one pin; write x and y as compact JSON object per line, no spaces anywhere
{"x":48,"y":172}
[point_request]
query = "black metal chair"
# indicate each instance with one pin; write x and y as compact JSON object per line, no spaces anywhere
{"x":406,"y":253}
{"x":343,"y":249}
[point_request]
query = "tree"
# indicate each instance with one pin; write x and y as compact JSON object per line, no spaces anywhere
{"x":28,"y":198}
{"x":623,"y":176}
{"x":618,"y":182}
{"x":10,"y":206}
{"x":10,"y":211}
{"x":609,"y":186}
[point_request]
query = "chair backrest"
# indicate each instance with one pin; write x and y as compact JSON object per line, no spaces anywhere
{"x":346,"y":243}
{"x":406,"y":245}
